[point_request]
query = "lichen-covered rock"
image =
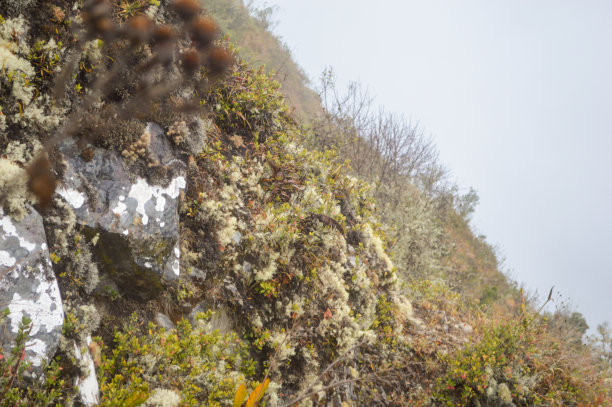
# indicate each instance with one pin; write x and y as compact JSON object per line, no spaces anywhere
{"x":87,"y":383}
{"x":28,"y":286}
{"x":135,"y":223}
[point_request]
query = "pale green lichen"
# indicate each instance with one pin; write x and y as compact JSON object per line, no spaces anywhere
{"x":22,"y":152}
{"x":93,"y":50}
{"x":267,"y":271}
{"x":13,"y":184}
{"x":163,"y":398}
{"x":504,"y":394}
{"x":17,"y":72}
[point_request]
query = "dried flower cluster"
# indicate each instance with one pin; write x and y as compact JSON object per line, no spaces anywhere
{"x":178,"y":132}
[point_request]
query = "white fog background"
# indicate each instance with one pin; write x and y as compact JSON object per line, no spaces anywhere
{"x":517,"y":97}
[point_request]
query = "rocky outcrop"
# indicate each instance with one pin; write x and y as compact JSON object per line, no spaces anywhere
{"x":134,"y":222}
{"x":28,"y":287}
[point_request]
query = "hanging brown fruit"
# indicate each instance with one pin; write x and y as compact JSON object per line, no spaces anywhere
{"x":139,"y":29}
{"x":219,"y":59}
{"x":203,"y":32}
{"x":187,"y":9}
{"x":191,"y":60}
{"x":42,"y":182}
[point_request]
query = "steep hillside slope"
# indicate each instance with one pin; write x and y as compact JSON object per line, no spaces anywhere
{"x":260,"y":47}
{"x":167,"y":238}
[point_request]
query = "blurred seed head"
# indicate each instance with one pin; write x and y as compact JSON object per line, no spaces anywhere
{"x":139,"y":29}
{"x":191,"y":60}
{"x":42,"y":182}
{"x":96,"y":9}
{"x":187,"y":9}
{"x":162,"y":35}
{"x":97,"y":18}
{"x":219,"y":59}
{"x":204,"y":31}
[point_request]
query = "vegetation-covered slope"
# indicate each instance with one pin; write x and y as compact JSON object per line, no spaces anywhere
{"x":251,"y":32}
{"x":309,"y":277}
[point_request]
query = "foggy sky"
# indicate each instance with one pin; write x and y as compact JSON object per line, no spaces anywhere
{"x":517,"y":96}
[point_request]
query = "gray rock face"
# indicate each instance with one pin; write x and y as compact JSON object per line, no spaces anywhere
{"x":136,"y":222}
{"x":28,"y":286}
{"x":163,"y":321}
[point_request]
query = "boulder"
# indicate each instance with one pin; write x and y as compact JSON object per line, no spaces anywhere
{"x":28,"y":287}
{"x":133,"y":221}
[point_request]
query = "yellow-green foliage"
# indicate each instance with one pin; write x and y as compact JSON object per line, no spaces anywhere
{"x":290,"y":232}
{"x":260,"y":47}
{"x":249,"y":104}
{"x":472,"y":265}
{"x":202,"y":366}
{"x":518,"y":362}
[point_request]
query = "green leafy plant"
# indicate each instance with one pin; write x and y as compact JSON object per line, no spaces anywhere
{"x":18,"y":390}
{"x":517,"y":361}
{"x":201,"y":365}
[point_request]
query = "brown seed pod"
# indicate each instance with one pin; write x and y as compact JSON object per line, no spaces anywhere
{"x":96,"y":18}
{"x":139,"y":29}
{"x":87,"y":154}
{"x":191,"y":60}
{"x":203,"y":31}
{"x":96,"y":9}
{"x":42,"y":182}
{"x":187,"y":9}
{"x":162,"y":34}
{"x":219,"y":59}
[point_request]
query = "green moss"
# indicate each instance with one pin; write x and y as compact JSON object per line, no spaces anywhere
{"x":115,"y":255}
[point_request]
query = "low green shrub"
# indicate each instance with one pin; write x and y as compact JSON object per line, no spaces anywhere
{"x":16,"y":389}
{"x":193,"y":363}
{"x":517,"y":362}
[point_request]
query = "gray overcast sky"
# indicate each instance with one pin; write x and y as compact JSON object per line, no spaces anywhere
{"x":517,"y":95}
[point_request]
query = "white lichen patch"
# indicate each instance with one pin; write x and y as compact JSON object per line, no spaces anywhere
{"x":6,"y":259}
{"x":72,"y":196}
{"x":87,"y":384}
{"x":121,"y":207}
{"x":44,"y":308}
{"x":27,"y":285}
{"x":142,"y":192}
{"x":163,"y":398}
{"x":9,"y":230}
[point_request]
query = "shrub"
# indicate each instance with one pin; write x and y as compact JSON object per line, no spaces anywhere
{"x":518,"y":361}
{"x":202,"y":366}
{"x":17,"y":387}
